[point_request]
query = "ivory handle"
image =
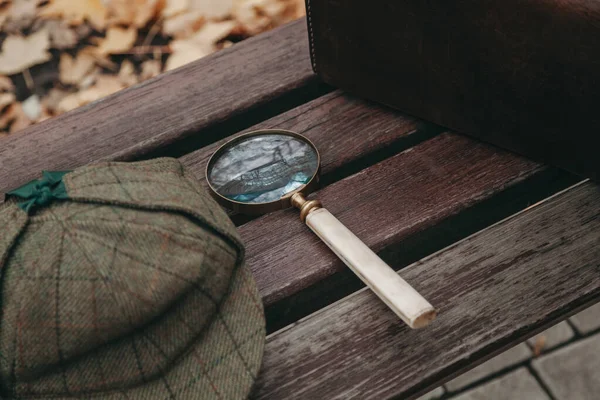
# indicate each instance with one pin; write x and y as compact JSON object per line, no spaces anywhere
{"x":402,"y":298}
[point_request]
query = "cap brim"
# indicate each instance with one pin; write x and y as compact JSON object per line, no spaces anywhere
{"x":225,"y":360}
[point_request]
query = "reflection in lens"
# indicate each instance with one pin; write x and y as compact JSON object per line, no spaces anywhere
{"x":263,"y":168}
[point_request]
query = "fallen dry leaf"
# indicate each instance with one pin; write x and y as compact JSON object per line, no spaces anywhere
{"x":89,"y":79}
{"x":118,"y":40}
{"x":297,"y":9}
{"x":62,"y":36}
{"x":184,"y":52}
{"x":53,"y":98}
{"x":150,"y":69}
{"x":83,"y":30}
{"x":20,"y":120}
{"x":251,"y":20}
{"x":75,"y":12}
{"x":4,"y":10}
{"x":132,"y":12}
{"x":6,"y":99}
{"x":32,"y":107}
{"x":69,"y":103}
{"x":175,"y":7}
{"x":102,"y":60}
{"x":14,"y":117}
{"x":256,"y":16}
{"x":127,"y":74}
{"x":19,"y":16}
{"x":214,"y":9}
{"x":293,"y":9}
{"x":6,"y":84}
{"x":105,"y":85}
{"x":6,"y":118}
{"x":44,"y":115}
{"x":19,"y":53}
{"x":183,"y":25}
{"x":73,"y":70}
{"x":538,"y":347}
{"x":212,"y":32}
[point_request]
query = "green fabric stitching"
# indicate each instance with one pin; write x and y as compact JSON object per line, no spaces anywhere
{"x":41,"y":192}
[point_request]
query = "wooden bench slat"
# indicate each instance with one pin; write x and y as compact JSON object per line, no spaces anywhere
{"x":384,"y":205}
{"x":493,"y":289}
{"x":344,"y":128}
{"x":184,"y":103}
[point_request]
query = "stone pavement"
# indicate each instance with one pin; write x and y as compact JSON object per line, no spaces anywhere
{"x":562,"y":363}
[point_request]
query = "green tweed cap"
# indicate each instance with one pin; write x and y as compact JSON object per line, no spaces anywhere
{"x":124,"y":281}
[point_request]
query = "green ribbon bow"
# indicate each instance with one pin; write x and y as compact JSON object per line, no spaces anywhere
{"x":41,"y":192}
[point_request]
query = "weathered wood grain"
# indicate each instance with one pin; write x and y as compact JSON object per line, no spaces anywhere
{"x":383,"y":205}
{"x":199,"y":103}
{"x":350,"y":133}
{"x":493,"y":289}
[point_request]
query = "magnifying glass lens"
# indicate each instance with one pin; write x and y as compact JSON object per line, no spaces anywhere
{"x":263,"y":168}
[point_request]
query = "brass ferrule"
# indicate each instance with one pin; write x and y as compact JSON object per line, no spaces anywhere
{"x":305,"y":206}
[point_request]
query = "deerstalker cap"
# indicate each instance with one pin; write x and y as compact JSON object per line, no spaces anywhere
{"x":124,"y":281}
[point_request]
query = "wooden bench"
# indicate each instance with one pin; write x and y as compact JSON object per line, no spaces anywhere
{"x":503,"y":246}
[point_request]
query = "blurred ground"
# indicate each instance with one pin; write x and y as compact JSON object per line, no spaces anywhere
{"x":56,"y":55}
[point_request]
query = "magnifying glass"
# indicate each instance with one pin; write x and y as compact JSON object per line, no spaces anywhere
{"x":269,"y":170}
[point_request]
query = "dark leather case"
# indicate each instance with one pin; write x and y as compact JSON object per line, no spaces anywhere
{"x":521,"y":74}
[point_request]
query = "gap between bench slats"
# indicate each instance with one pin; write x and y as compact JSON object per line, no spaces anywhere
{"x":195,"y":105}
{"x":385,"y":205}
{"x":493,"y":290}
{"x":350,"y":134}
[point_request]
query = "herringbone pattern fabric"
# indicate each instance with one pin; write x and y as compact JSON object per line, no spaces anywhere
{"x":132,"y":289}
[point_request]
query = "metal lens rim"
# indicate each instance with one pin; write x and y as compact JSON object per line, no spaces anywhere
{"x":262,"y":208}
